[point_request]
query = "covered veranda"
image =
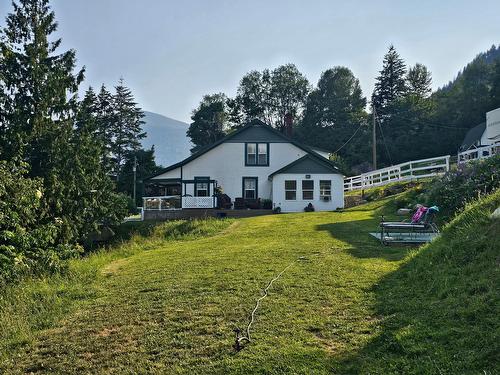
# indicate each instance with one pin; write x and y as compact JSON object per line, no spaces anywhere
{"x":176,"y":194}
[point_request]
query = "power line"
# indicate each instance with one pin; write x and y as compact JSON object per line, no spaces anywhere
{"x":425,"y":122}
{"x":352,"y":136}
{"x":383,"y":139}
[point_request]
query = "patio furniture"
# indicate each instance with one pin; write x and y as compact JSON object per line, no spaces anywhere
{"x":407,"y":232}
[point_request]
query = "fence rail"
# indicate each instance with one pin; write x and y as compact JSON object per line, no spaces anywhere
{"x":478,"y":153}
{"x":411,"y":170}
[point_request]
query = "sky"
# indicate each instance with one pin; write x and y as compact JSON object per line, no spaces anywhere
{"x":171,"y":53}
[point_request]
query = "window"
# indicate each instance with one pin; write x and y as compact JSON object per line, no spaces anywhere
{"x":262,"y":159}
{"x":250,"y":187}
{"x":290,"y":190}
{"x":307,"y":190}
{"x":201,"y":188}
{"x":251,"y":154}
{"x":257,"y":154}
{"x":325,"y":190}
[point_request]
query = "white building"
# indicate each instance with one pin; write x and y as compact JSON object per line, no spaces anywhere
{"x":483,"y":140}
{"x":255,"y":167}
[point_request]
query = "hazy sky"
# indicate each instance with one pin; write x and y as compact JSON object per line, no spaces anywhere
{"x":172,"y":52}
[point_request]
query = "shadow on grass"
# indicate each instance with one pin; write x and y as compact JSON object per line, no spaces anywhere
{"x":439,"y":310}
{"x":356,"y":233}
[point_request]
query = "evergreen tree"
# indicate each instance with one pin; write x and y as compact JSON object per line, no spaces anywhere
{"x":47,"y":127}
{"x":419,"y":81}
{"x":38,"y":82}
{"x":127,"y":126}
{"x":145,"y":167}
{"x":210,"y":121}
{"x":105,"y":117}
{"x":390,"y":84}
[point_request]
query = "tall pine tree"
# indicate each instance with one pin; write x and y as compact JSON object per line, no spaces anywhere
{"x":127,"y":126}
{"x":46,"y":126}
{"x":390,"y":84}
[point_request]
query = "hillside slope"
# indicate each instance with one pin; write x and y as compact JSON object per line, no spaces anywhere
{"x":441,"y":307}
{"x":168,"y":136}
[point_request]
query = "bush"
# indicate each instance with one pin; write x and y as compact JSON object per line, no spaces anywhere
{"x":27,"y":236}
{"x":470,"y":181}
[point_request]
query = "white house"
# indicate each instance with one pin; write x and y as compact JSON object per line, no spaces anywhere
{"x":483,"y":140}
{"x":254,"y":166}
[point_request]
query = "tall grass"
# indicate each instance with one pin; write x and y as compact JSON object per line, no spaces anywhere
{"x":35,"y":304}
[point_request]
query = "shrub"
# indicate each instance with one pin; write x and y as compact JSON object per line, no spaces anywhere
{"x":470,"y":181}
{"x":27,"y":236}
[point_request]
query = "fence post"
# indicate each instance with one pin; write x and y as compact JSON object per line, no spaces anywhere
{"x":448,"y":163}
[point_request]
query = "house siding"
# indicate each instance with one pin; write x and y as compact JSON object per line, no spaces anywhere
{"x":298,"y":205}
{"x":226,"y":164}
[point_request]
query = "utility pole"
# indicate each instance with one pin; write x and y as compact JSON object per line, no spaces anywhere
{"x":374,"y":137}
{"x":134,"y":169}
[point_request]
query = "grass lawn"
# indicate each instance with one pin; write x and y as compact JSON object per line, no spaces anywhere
{"x":173,"y":308}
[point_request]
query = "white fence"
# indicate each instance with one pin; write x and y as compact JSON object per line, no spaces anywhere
{"x":411,"y":170}
{"x":199,"y":202}
{"x":478,"y":153}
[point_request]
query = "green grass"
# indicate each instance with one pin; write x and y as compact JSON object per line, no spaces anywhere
{"x":168,"y":301}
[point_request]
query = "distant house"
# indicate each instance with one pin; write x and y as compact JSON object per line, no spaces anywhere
{"x":255,"y":167}
{"x":483,"y":140}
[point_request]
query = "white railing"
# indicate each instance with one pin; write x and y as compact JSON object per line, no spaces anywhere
{"x":199,"y":202}
{"x":168,"y":202}
{"x":478,"y":153}
{"x":411,"y":170}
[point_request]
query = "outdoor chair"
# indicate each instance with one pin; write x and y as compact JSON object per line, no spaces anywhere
{"x":406,"y":232}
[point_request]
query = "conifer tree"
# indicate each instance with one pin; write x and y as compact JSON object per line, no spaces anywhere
{"x":47,"y":128}
{"x":419,"y":81}
{"x":127,"y":126}
{"x":390,"y":84}
{"x":105,"y":117}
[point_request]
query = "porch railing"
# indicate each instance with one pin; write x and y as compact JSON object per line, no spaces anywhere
{"x":169,"y":202}
{"x":199,"y":202}
{"x":411,"y":170}
{"x":175,"y":202}
{"x":478,"y":153}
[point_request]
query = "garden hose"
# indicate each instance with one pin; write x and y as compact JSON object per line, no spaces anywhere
{"x":241,"y":339}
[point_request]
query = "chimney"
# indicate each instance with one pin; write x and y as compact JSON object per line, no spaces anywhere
{"x":288,"y":125}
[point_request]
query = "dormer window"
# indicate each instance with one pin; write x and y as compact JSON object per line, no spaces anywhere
{"x":257,"y":154}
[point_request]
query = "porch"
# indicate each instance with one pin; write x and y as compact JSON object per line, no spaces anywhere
{"x":177,"y":194}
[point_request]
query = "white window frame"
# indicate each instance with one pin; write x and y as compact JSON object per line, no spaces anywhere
{"x":325,"y":192}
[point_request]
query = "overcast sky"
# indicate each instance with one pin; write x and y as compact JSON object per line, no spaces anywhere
{"x":172,"y":52}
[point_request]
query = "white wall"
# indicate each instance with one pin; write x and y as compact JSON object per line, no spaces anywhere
{"x":226,"y":164}
{"x":492,"y":126}
{"x":298,"y":205}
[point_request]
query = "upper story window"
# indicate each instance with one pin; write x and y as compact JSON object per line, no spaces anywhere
{"x":257,"y":154}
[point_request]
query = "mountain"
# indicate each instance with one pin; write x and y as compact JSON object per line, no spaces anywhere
{"x":168,"y":136}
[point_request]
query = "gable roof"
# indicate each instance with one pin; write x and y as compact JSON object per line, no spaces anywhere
{"x":238,"y":135}
{"x":473,"y":135}
{"x":309,"y":163}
